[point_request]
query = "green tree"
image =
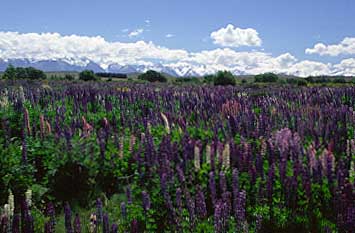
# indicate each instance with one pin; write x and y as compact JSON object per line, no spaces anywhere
{"x":152,"y":76}
{"x":266,"y":78}
{"x":224,"y":78}
{"x":10,"y":72}
{"x":87,"y":75}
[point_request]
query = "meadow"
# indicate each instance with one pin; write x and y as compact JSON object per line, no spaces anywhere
{"x":138,"y":157}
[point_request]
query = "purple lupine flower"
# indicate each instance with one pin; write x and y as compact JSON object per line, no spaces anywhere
{"x":226,"y":198}
{"x":67,"y":213}
{"x":16,"y":223}
{"x":105,"y":225}
{"x":24,"y":151}
{"x":179,"y":199}
{"x":190,"y":207}
{"x":241,"y":201}
{"x":212,"y":186}
{"x":77,"y":224}
{"x":222,"y":182}
{"x":219,"y":217}
{"x":200,"y":203}
{"x":29,"y":227}
{"x":24,"y":213}
{"x":99,"y":211}
{"x":258,"y":223}
{"x":114,"y":228}
{"x":48,"y":228}
{"x":134,"y":226}
{"x":50,"y":212}
{"x":146,"y":201}
{"x":129,"y":195}
{"x":123,"y":210}
{"x":4,"y":224}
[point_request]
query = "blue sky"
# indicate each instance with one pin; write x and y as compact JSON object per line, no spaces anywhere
{"x":282,"y":26}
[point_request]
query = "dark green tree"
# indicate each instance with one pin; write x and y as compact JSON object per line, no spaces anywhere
{"x":224,"y":78}
{"x":152,"y":76}
{"x":87,"y":75}
{"x":266,"y":78}
{"x":10,"y":72}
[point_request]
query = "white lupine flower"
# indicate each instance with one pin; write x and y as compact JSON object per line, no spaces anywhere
{"x":352,"y":170}
{"x":7,"y":211}
{"x":197,"y":158}
{"x":166,"y":122}
{"x":208,"y":154}
{"x":28,"y":195}
{"x":11,"y":203}
{"x":226,"y":156}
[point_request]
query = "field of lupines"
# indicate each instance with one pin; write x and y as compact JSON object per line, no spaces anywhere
{"x":125,"y":157}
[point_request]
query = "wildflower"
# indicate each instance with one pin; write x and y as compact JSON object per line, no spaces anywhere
{"x":123,"y":210}
{"x":77,"y":224}
{"x":27,"y":121}
{"x":197,"y":158}
{"x":105,"y":225}
{"x":166,"y":122}
{"x":99,"y":211}
{"x":93,"y":224}
{"x":114,"y":228}
{"x":67,"y":213}
{"x":28,"y":195}
{"x":200,"y":203}
{"x":146,"y":201}
{"x":208,"y":154}
{"x":226,"y":157}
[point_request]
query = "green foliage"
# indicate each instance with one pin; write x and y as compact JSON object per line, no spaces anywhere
{"x":69,"y":77}
{"x":266,"y":78}
{"x":87,"y":75}
{"x":152,"y":76}
{"x":224,"y":78}
{"x":23,"y":73}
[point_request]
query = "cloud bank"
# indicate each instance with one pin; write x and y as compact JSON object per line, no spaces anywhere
{"x":80,"y":50}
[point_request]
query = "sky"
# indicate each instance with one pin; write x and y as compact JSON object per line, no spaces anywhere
{"x":296,"y":37}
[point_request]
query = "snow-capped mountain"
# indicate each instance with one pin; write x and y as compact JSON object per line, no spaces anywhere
{"x":176,"y":70}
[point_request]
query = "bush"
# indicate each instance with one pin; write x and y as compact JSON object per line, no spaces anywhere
{"x":112,"y":75}
{"x":224,"y":78}
{"x":69,"y":77}
{"x":266,"y":78}
{"x":152,"y":76}
{"x":12,"y":72}
{"x":87,"y":75}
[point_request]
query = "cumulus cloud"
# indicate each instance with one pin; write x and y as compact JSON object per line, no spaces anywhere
{"x":231,"y":36}
{"x":169,"y":35}
{"x":80,"y":50}
{"x":346,"y":47}
{"x":136,"y":32}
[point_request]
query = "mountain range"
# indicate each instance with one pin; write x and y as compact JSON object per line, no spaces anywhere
{"x":183,"y":70}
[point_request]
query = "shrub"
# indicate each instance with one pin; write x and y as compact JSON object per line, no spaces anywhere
{"x":69,"y":77}
{"x":152,"y":76}
{"x":87,"y":75}
{"x":224,"y":78}
{"x":266,"y":78}
{"x":12,"y":72}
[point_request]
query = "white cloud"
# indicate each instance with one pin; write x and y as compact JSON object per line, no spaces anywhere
{"x":169,"y":35}
{"x":80,"y":50}
{"x":147,"y":21}
{"x":136,"y":32}
{"x":345,"y":67}
{"x":231,"y":36}
{"x":346,"y":46}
